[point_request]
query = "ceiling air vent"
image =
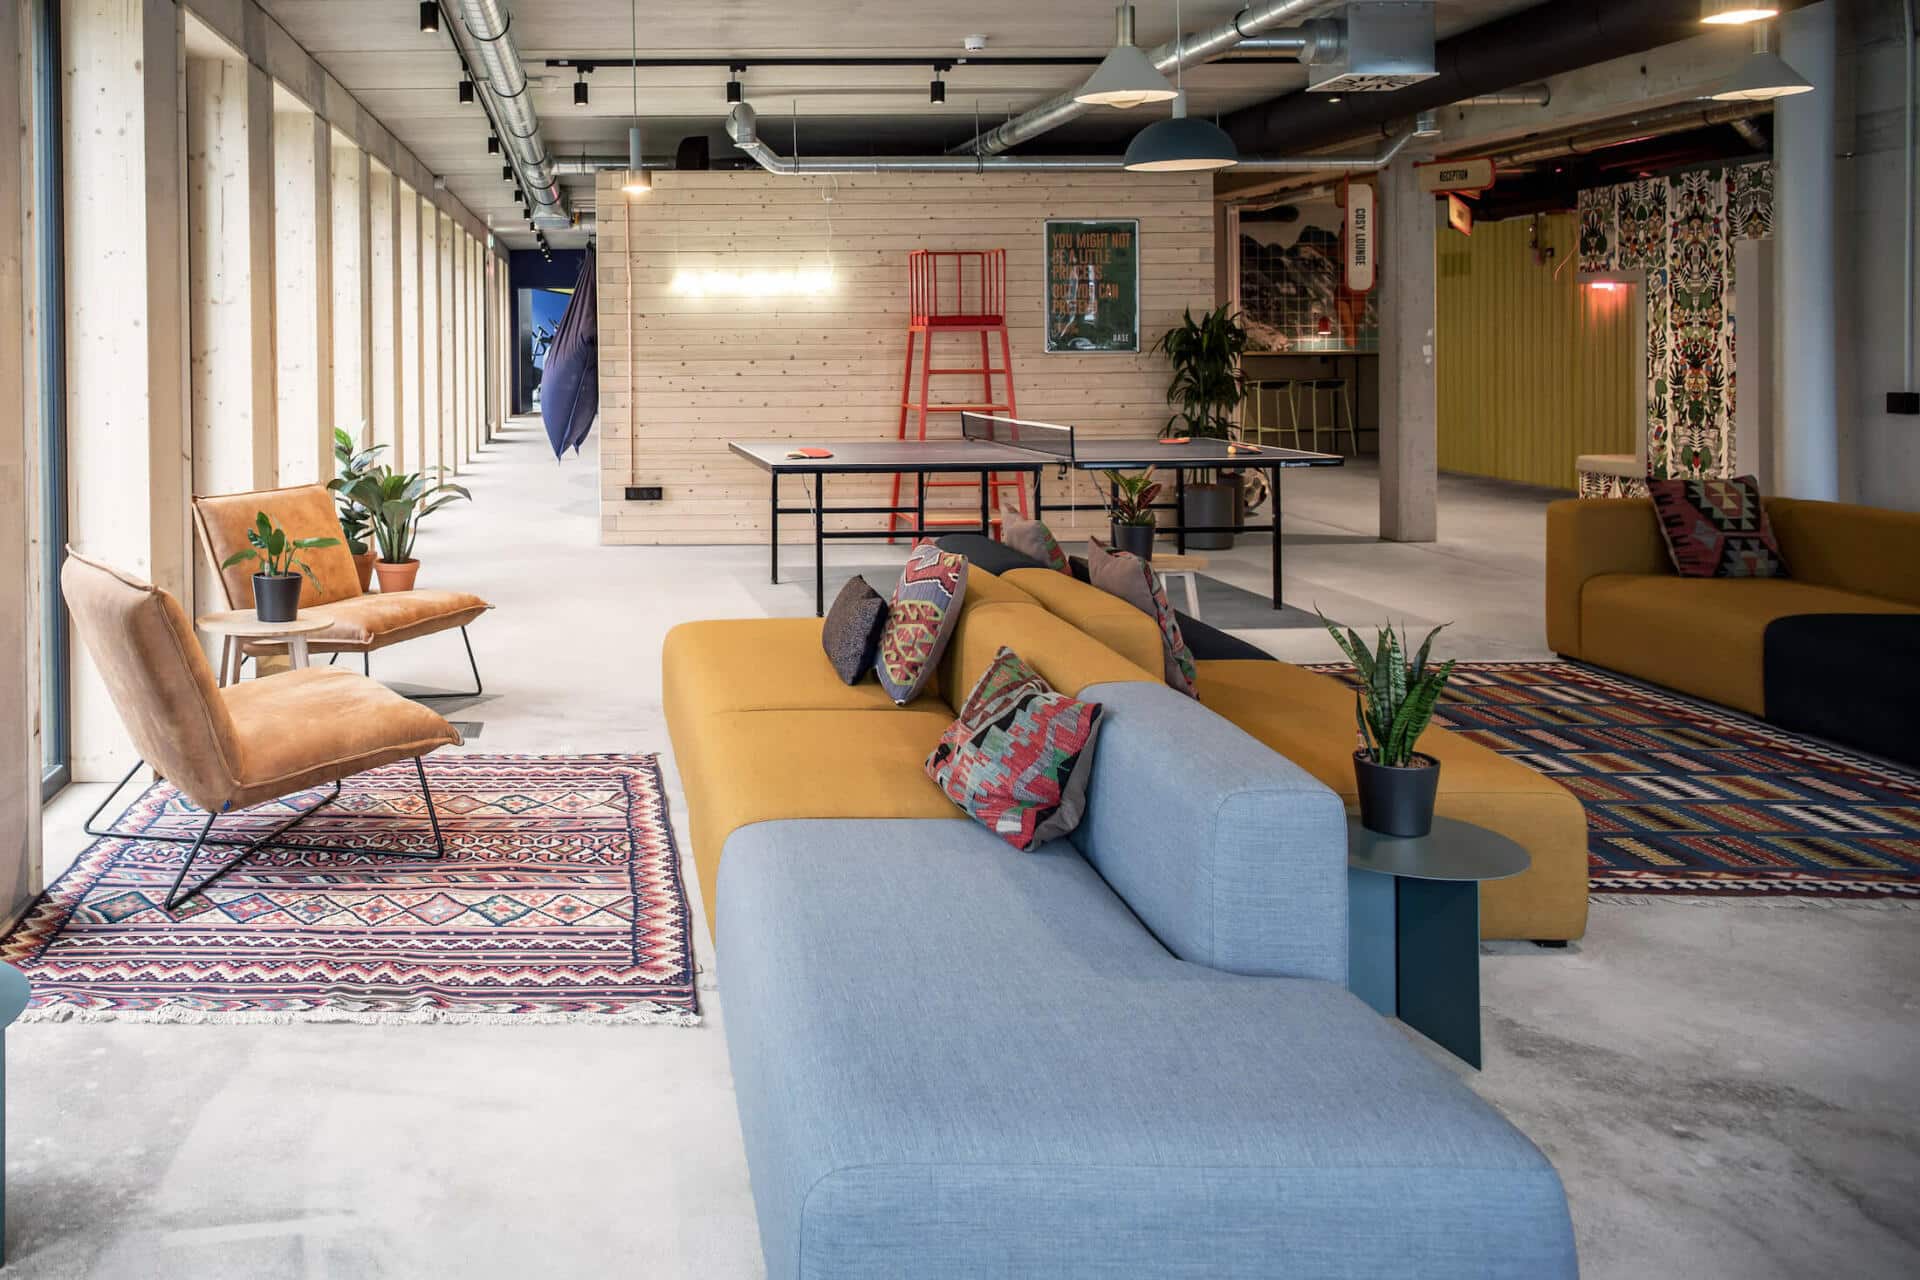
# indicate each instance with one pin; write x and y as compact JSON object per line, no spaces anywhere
{"x":1388,"y":46}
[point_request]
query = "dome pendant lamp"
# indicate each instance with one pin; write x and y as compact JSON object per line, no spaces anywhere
{"x":1125,"y":77}
{"x":1180,"y":144}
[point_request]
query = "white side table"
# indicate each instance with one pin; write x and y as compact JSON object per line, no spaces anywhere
{"x":1173,"y":564}
{"x":235,"y":626}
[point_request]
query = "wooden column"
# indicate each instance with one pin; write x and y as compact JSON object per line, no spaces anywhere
{"x":303,"y":267}
{"x":384,"y":330}
{"x":407,"y":302}
{"x":352,"y":296}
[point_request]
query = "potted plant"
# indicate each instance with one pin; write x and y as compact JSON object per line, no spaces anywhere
{"x":1396,"y":784}
{"x":1207,"y":388}
{"x":276,"y":588}
{"x":352,"y":465}
{"x":1129,"y":501}
{"x":396,"y":503}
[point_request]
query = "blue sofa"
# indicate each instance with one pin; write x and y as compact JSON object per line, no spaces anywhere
{"x":1127,"y":1054}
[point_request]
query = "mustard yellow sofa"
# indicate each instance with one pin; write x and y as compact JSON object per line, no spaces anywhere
{"x":1791,"y":650}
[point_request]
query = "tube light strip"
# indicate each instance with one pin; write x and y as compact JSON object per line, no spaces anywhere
{"x":806,"y":282}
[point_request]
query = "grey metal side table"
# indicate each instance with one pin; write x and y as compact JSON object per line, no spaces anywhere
{"x":13,"y":1001}
{"x":1413,"y":925}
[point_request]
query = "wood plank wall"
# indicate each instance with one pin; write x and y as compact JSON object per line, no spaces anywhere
{"x":707,"y":370}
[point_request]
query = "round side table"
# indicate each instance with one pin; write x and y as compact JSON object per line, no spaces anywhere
{"x":234,"y":626}
{"x":1413,"y":924}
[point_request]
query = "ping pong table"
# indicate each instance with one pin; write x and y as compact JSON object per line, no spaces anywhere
{"x":991,"y":444}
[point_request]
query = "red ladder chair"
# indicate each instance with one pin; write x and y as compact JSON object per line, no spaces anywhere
{"x":955,"y":292}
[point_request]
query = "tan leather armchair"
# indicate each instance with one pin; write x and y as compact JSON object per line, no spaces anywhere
{"x":226,"y":749}
{"x":362,"y":621}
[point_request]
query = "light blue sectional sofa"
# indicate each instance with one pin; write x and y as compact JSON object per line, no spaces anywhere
{"x":1131,"y":1054}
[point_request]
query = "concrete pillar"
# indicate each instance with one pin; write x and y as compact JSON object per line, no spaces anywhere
{"x":303,"y":267}
{"x":126,"y":264}
{"x":384,"y":324}
{"x":428,"y":450}
{"x":20,"y":746}
{"x":1805,"y":140}
{"x":1409,"y":403}
{"x":406,"y":445}
{"x":352,"y":295}
{"x":449,"y":356}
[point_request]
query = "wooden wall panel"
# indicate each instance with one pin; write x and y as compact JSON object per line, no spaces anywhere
{"x":706,"y":370}
{"x":1534,"y":370}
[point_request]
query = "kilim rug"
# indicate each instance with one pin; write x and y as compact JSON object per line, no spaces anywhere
{"x":1687,"y":798}
{"x":560,"y":900}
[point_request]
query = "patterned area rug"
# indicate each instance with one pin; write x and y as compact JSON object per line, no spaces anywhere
{"x":1687,"y":798}
{"x":560,"y":900}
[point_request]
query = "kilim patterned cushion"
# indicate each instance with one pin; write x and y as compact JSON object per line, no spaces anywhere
{"x":1032,"y":538}
{"x":920,"y":617}
{"x":1019,"y":755}
{"x":1717,"y":528}
{"x":1123,"y":574}
{"x":853,"y":628}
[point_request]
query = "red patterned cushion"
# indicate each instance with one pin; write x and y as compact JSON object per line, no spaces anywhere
{"x":1019,"y":755}
{"x":920,"y":618}
{"x":1123,"y":574}
{"x":1717,"y":528}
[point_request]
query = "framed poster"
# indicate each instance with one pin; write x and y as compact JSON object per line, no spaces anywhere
{"x":1093,"y":285}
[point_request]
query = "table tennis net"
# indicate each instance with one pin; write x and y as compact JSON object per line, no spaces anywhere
{"x":1039,"y":437}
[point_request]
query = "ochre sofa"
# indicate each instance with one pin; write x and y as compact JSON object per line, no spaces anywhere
{"x":1790,"y":650}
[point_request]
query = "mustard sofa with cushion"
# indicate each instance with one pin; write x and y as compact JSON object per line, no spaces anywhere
{"x":1791,"y":650}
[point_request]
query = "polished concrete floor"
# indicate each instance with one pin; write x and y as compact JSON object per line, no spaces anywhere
{"x":1727,"y":1090}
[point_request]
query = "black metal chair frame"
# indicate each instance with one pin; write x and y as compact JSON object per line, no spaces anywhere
{"x":366,"y":669}
{"x":249,"y":847}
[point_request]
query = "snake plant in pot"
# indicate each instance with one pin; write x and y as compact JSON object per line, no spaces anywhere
{"x":396,"y":503}
{"x":1129,"y":502}
{"x":353,"y":464}
{"x":1206,"y":387}
{"x":1393,"y":707}
{"x":276,"y":587}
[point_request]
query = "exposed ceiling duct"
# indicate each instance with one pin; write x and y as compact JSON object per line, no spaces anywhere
{"x":1651,"y":124}
{"x":1202,"y":46}
{"x":1547,"y":40}
{"x":483,"y":34}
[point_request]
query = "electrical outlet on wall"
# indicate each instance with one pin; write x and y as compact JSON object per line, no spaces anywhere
{"x":644,"y":493}
{"x":1903,"y":402}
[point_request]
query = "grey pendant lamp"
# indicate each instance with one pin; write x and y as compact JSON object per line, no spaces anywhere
{"x":637,"y":182}
{"x":1180,"y":144}
{"x":1125,"y":77}
{"x":1763,"y":76}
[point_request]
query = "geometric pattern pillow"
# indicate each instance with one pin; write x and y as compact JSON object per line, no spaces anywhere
{"x":1122,"y":574}
{"x":1034,"y":539}
{"x":920,"y":618}
{"x":1019,"y":756}
{"x":851,"y":636}
{"x":1717,"y":528}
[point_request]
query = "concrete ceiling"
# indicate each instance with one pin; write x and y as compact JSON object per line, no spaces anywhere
{"x":407,"y":79}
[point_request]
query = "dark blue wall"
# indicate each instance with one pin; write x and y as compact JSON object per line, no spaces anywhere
{"x":529,"y":269}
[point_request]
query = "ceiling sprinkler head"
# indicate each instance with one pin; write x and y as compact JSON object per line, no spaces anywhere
{"x":974,"y":44}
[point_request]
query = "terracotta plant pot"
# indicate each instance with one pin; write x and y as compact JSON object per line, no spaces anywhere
{"x":1397,"y":800}
{"x":363,"y":568}
{"x":397,"y":577}
{"x":276,"y":597}
{"x":1135,"y":538}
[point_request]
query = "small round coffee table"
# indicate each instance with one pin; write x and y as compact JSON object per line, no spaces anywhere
{"x":236,"y":626}
{"x":1413,"y":924}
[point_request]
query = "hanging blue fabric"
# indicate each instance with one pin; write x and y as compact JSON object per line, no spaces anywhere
{"x":570,"y":384}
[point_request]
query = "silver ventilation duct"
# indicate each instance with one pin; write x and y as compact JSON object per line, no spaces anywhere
{"x":484,"y":35}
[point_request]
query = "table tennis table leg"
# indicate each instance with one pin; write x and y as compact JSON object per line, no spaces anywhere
{"x":919,"y":505}
{"x":820,"y":545}
{"x":986,"y":497}
{"x":773,"y":530}
{"x":1273,"y":476}
{"x":1180,"y":510}
{"x":1039,"y":507}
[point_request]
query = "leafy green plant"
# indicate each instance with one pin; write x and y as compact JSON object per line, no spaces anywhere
{"x":1396,"y":697}
{"x":1206,"y":385}
{"x":277,"y":554}
{"x":1130,"y":496}
{"x":396,"y":503}
{"x":351,"y":465}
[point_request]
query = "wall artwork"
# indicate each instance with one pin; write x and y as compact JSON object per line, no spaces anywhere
{"x":1292,"y":297}
{"x":1681,"y":230}
{"x":1093,"y":285}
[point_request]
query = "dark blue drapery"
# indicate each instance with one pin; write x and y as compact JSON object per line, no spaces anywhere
{"x":570,"y":384}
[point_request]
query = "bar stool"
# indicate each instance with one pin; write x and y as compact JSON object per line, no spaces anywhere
{"x":1282,"y":388}
{"x":1339,"y":395}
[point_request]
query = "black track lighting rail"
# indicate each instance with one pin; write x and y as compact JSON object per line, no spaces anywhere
{"x":891,"y":60}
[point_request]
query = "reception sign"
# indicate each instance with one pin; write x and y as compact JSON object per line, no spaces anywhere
{"x":1442,"y":176}
{"x":1359,"y":238}
{"x":1093,"y":285}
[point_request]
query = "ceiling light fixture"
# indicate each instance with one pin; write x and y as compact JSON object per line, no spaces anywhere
{"x":1762,"y":76}
{"x":493,"y":144}
{"x":1180,"y":144}
{"x":937,"y":91}
{"x":1126,"y":77}
{"x":429,"y":17}
{"x":735,"y":91}
{"x":466,"y":88}
{"x":637,"y":182}
{"x":506,"y":173}
{"x":1734,"y":13}
{"x":580,"y":90}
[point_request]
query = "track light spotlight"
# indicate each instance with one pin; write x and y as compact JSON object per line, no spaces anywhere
{"x":580,"y":90}
{"x":734,"y":92}
{"x":937,"y":91}
{"x":429,"y":17}
{"x":466,"y":89}
{"x":493,"y":144}
{"x":506,"y":173}
{"x":519,"y":196}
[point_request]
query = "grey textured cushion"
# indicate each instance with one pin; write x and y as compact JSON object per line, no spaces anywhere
{"x":1122,"y":574}
{"x":955,"y":1061}
{"x":1032,"y":538}
{"x":851,"y":635}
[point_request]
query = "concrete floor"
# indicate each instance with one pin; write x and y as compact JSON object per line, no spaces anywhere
{"x":1727,"y":1090}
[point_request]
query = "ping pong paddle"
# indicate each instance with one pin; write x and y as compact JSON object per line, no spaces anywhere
{"x":1176,"y":439}
{"x":811,"y":453}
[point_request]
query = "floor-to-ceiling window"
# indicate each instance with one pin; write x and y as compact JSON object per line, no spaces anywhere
{"x":50,"y":305}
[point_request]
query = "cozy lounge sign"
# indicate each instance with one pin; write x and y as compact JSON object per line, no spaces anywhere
{"x":1359,"y":238}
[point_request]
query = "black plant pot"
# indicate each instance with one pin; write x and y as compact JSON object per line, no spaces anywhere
{"x":1397,"y":800}
{"x":1136,"y":538}
{"x":276,"y":598}
{"x":1209,"y":504}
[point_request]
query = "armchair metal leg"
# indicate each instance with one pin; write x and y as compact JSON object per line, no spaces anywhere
{"x":251,"y":846}
{"x":366,"y":669}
